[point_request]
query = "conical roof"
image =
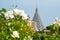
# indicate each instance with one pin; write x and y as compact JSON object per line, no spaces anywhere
{"x":38,"y":22}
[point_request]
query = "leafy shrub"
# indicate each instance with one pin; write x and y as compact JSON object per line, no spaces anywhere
{"x":14,"y":28}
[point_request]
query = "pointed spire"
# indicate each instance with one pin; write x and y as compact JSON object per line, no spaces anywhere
{"x":36,"y":10}
{"x":39,"y":25}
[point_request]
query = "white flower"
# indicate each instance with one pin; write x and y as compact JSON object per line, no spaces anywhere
{"x":20,"y":13}
{"x":57,"y":21}
{"x":59,"y":24}
{"x":24,"y":16}
{"x":16,"y":11}
{"x":9,"y":14}
{"x":56,"y":18}
{"x":15,"y":34}
{"x":54,"y":22}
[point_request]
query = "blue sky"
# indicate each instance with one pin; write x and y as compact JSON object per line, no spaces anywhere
{"x":48,"y":9}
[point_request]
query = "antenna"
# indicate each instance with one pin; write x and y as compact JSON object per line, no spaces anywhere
{"x":36,"y":4}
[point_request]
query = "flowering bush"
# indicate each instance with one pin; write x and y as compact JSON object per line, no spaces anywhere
{"x":14,"y":25}
{"x":53,"y":34}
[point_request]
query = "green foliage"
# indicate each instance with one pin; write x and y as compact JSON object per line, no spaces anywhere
{"x":7,"y":26}
{"x":44,"y":36}
{"x":3,"y":10}
{"x":37,"y":36}
{"x":26,"y":32}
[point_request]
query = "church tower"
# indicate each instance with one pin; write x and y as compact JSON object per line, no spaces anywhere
{"x":38,"y":22}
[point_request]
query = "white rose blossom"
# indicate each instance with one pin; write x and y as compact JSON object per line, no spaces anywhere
{"x":24,"y":16}
{"x":9,"y":14}
{"x":20,"y":13}
{"x":59,"y":24}
{"x":57,"y":21}
{"x":56,"y":18}
{"x":15,"y":34}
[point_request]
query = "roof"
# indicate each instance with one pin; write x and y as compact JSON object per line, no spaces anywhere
{"x":38,"y":21}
